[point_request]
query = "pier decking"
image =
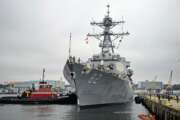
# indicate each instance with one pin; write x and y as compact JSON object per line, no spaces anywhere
{"x":164,"y":108}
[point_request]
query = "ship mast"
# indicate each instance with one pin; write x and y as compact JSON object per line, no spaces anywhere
{"x":70,"y":45}
{"x":43,"y":75}
{"x":106,"y":43}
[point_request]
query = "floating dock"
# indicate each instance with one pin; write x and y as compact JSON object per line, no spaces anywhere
{"x":164,"y":108}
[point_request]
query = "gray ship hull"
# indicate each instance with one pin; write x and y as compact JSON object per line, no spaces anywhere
{"x":96,"y":87}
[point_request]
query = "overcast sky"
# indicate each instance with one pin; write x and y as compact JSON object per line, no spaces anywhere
{"x":35,"y":34}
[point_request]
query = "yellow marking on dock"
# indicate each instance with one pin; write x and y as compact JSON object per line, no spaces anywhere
{"x":171,"y":104}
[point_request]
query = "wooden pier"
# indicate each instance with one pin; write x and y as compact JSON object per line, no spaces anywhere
{"x":163,"y":108}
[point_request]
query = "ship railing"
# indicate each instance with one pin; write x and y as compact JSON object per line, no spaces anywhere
{"x":99,"y":68}
{"x":106,"y":70}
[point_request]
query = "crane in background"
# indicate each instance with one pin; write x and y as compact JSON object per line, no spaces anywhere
{"x":155,"y":78}
{"x":169,"y":89}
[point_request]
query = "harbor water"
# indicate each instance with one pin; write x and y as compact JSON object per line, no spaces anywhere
{"x":128,"y":111}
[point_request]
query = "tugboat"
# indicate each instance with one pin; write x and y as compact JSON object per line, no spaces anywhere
{"x":43,"y":95}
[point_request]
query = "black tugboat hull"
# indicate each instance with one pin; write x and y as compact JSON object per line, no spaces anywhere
{"x":71,"y":99}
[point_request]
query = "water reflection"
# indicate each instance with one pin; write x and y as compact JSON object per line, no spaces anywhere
{"x":128,"y":111}
{"x":69,"y":112}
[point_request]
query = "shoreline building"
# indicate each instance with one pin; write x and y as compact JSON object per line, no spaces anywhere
{"x":151,"y":86}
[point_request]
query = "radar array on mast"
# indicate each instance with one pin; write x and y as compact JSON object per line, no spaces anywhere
{"x":106,"y":43}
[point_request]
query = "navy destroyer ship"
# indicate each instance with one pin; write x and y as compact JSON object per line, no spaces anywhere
{"x":105,"y":78}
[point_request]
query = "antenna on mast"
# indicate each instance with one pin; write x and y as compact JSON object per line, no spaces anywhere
{"x":108,"y":9}
{"x":43,"y":76}
{"x":106,"y":43}
{"x":70,"y":45}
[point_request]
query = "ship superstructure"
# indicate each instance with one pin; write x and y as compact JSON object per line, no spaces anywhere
{"x":105,"y":78}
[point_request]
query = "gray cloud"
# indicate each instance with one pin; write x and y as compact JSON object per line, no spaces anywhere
{"x":34,"y":34}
